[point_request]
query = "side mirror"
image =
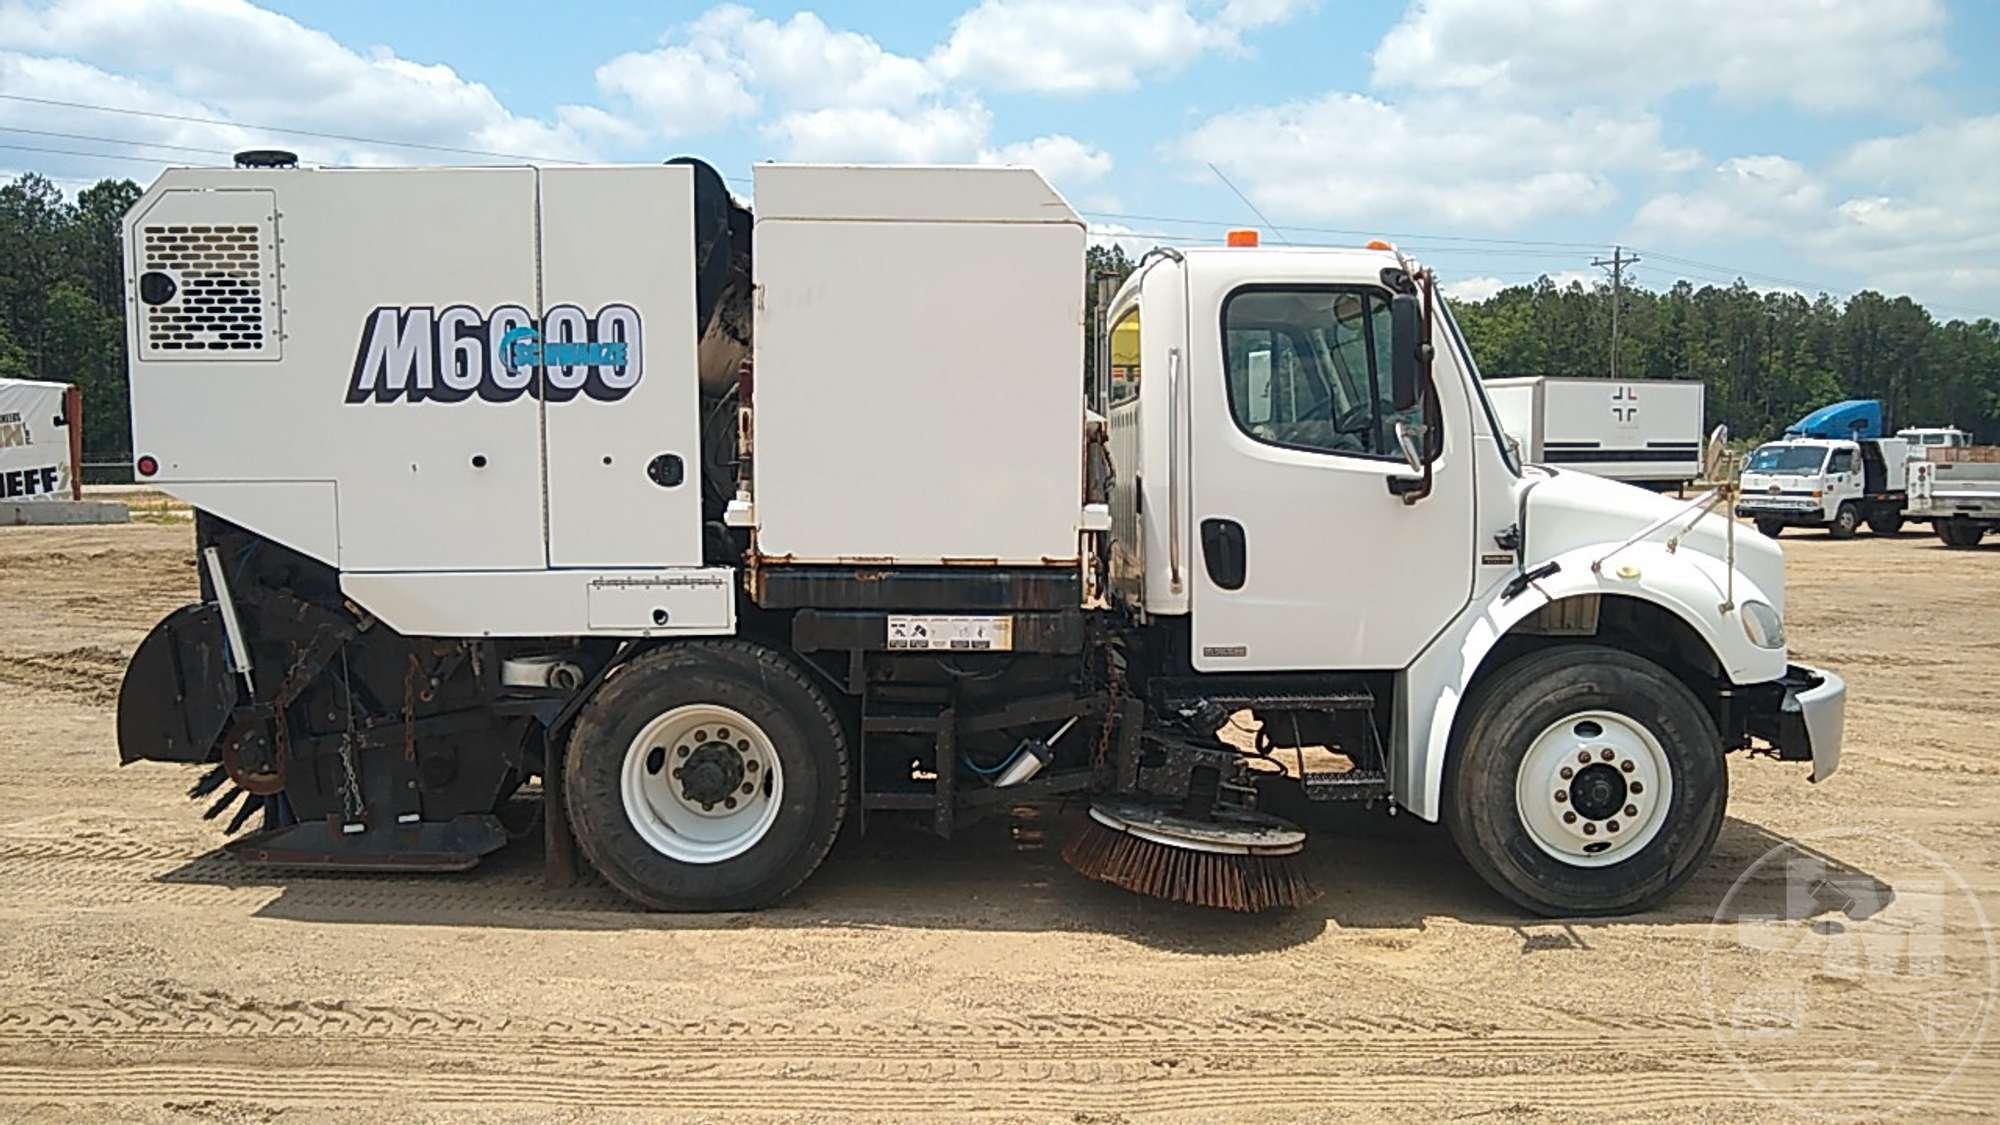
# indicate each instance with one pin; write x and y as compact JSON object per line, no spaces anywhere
{"x":1405,"y":340}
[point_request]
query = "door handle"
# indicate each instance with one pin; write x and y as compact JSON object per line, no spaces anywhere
{"x":1224,"y":551}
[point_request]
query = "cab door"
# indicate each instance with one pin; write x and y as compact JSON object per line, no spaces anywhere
{"x":1843,"y":479}
{"x":1303,"y":557}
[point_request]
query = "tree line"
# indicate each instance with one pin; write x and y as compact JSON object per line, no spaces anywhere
{"x":1767,"y":358}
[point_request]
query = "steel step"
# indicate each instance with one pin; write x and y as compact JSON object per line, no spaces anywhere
{"x":1346,"y":785}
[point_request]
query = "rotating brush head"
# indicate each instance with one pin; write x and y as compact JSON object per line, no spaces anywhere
{"x":1245,"y":862}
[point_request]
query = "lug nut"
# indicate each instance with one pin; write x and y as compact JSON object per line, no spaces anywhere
{"x":1626,"y":766}
{"x":701,"y":736}
{"x":1638,"y":787}
{"x":729,"y":802}
{"x":1568,"y":773}
{"x":1631,"y":810}
{"x":722,"y":734}
{"x":1583,"y":756}
{"x":677,"y":771}
{"x":1569,"y":818}
{"x":743,"y":745}
{"x":1607,"y":754}
{"x":749,"y":788}
{"x":1611,"y":825}
{"x":683,"y":751}
{"x":751,"y":765}
{"x":1590,"y":829}
{"x":1561,"y":795}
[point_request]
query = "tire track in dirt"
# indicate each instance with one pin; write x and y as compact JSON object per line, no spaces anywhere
{"x":878,"y":1089}
{"x":90,"y":673}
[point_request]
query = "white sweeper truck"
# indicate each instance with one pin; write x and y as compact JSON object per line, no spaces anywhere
{"x":736,"y":532}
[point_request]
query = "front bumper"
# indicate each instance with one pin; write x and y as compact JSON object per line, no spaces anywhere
{"x":1803,"y":716}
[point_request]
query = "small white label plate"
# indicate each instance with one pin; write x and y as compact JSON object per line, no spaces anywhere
{"x":958,"y":634}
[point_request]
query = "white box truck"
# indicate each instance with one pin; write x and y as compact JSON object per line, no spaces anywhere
{"x":738,"y":530}
{"x":1957,"y":488}
{"x":1646,"y":432}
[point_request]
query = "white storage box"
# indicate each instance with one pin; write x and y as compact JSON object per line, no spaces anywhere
{"x":919,"y":366}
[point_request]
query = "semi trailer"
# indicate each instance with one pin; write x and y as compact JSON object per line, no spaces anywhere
{"x":1832,"y":469}
{"x":1644,"y":432}
{"x":734,"y":532}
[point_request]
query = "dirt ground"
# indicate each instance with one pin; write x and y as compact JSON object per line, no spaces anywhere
{"x":145,"y":976}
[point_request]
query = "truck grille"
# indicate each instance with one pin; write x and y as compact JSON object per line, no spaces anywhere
{"x":220,"y":302}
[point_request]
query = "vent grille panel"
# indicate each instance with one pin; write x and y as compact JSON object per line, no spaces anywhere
{"x":220,"y":304}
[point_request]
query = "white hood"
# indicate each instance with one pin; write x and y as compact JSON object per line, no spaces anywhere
{"x":1566,"y":510}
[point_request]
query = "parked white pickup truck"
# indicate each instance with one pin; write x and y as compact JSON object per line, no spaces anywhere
{"x":1958,"y":490}
{"x":1825,"y":482}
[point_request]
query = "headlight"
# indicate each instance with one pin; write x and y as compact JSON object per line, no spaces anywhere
{"x":1762,"y":625}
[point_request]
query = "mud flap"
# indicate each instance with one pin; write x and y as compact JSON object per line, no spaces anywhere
{"x":178,"y":691}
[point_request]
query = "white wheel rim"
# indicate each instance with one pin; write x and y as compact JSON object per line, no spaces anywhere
{"x":726,"y":795}
{"x":1594,"y":788}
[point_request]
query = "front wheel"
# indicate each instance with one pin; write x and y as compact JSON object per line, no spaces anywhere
{"x":709,"y":775}
{"x":1584,"y":780}
{"x":1770,"y":528}
{"x":1845,"y":522}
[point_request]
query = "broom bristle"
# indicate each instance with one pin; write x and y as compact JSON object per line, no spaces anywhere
{"x":1246,"y":883}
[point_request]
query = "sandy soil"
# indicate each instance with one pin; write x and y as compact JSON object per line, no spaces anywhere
{"x":145,"y":976}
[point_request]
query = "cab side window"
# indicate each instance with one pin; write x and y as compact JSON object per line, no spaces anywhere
{"x":1306,"y":369}
{"x":1842,"y":462}
{"x":1125,"y":358}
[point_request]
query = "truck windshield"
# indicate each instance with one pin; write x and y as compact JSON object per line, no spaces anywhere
{"x":1783,"y":458}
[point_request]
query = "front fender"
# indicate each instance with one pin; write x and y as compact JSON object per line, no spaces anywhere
{"x":1689,"y":584}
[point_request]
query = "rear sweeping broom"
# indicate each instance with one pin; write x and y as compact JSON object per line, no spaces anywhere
{"x":1237,"y":860}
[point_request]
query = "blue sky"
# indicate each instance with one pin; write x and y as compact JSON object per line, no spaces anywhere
{"x":1800,"y":143}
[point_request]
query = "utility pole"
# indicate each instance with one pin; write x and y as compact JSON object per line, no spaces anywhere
{"x":1617,"y":262}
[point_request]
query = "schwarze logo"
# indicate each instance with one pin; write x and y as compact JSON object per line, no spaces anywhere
{"x":421,"y":354}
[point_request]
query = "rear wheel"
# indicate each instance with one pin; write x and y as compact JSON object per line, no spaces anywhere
{"x":1886,"y":523}
{"x":1583,"y":781}
{"x":707,"y":776}
{"x":1845,"y":521}
{"x":1770,"y":527}
{"x":1957,"y":532}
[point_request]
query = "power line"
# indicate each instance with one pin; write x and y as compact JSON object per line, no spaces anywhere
{"x":1246,"y":202}
{"x":1355,"y":232}
{"x":347,"y":137}
{"x":115,"y":140}
{"x":77,"y":152}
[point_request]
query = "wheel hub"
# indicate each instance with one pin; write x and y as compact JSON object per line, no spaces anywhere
{"x":1594,"y":788}
{"x":702,"y":783}
{"x":710,"y":773}
{"x":1598,"y":792}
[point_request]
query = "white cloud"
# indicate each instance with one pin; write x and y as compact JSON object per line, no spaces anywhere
{"x":231,"y":58}
{"x":1914,"y":212}
{"x":1745,"y":196}
{"x":1059,"y":157}
{"x":933,"y":134}
{"x":1055,"y":47}
{"x":1470,"y":163}
{"x":1474,"y":288}
{"x":1818,"y":54}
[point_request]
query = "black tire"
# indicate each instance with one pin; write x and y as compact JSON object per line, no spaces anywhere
{"x":766,"y":688}
{"x":1886,"y":523}
{"x":1510,"y":708}
{"x":1845,"y":522}
{"x":1770,"y":527}
{"x":1959,"y":533}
